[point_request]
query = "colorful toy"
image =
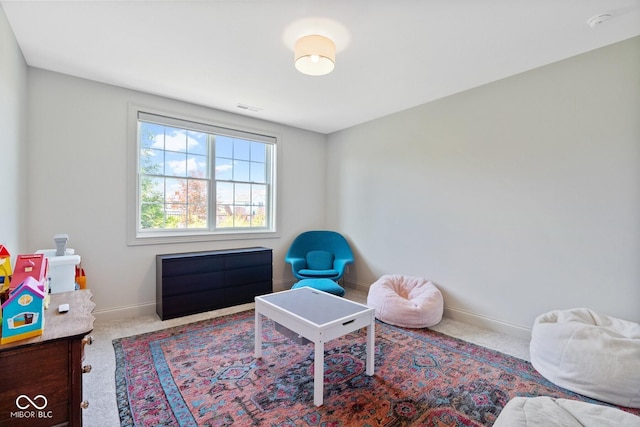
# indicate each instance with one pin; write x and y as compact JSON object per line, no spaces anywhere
{"x":32,"y":265}
{"x":5,"y":268}
{"x":23,"y":311}
{"x":5,"y":275}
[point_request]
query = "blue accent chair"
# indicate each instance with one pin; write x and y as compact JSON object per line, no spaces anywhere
{"x":319,"y":254}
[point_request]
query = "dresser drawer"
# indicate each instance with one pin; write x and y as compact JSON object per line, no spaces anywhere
{"x":245,"y":276}
{"x":247,"y":293}
{"x":41,"y":380}
{"x":192,"y":283}
{"x":198,"y":264}
{"x":250,"y":259}
{"x":182,"y":305}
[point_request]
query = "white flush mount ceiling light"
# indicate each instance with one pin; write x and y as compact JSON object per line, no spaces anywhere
{"x":315,"y":55}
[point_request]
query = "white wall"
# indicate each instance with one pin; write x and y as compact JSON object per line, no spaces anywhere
{"x":78,"y":185}
{"x":516,"y":197}
{"x":13,"y":105}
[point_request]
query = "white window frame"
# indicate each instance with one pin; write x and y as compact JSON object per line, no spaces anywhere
{"x":136,"y":236}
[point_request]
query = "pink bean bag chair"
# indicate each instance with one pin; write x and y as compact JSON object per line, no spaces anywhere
{"x":410,"y":302}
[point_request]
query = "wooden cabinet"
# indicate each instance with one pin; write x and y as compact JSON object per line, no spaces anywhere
{"x":195,"y":282}
{"x":41,"y":377}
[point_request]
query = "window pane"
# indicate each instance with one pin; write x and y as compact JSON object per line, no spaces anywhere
{"x":224,"y":193}
{"x":151,"y":135}
{"x":258,"y":195}
{"x":258,"y":151}
{"x":197,"y":166}
{"x":241,"y":149}
{"x":175,"y":139}
{"x":241,"y":171}
{"x":152,"y":203}
{"x":152,"y":215}
{"x":174,"y":188}
{"x":224,"y":218}
{"x":240,"y":217}
{"x":224,"y":169}
{"x":151,"y":161}
{"x":258,"y":172}
{"x":242,"y":194}
{"x":176,"y":216}
{"x":198,"y":215}
{"x":197,"y":143}
{"x":258,"y":202}
{"x":198,"y":203}
{"x":176,"y":164}
{"x":152,"y":189}
{"x":224,"y":146}
{"x":258,"y":217}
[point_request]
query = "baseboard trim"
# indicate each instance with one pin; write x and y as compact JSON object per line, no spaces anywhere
{"x":282,"y":285}
{"x":468,"y":317}
{"x":485,"y":322}
{"x":150,"y":307}
{"x":453,"y":313}
{"x":356,"y":286}
{"x":125,"y":312}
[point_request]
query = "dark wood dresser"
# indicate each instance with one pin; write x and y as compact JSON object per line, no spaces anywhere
{"x":41,"y":377}
{"x":195,"y":282}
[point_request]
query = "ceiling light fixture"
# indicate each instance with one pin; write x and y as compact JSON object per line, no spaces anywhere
{"x":315,"y":55}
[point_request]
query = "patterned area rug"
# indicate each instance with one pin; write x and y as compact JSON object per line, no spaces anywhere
{"x":204,"y":374}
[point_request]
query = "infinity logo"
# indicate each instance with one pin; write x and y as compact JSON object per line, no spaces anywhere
{"x":33,"y":403}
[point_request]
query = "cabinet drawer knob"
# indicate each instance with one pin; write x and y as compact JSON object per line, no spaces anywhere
{"x":87,"y":340}
{"x":86,"y":369}
{"x":84,"y":404}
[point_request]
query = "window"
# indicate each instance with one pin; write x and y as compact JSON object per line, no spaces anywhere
{"x":198,"y":178}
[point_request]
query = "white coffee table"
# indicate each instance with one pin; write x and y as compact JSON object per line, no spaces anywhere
{"x":318,"y":317}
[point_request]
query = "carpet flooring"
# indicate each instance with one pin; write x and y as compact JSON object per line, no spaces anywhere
{"x":204,"y":373}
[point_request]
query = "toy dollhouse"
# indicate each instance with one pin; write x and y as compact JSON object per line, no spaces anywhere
{"x":23,"y":311}
{"x":31,"y":265}
{"x":28,"y":296}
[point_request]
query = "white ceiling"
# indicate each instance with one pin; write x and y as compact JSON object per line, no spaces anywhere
{"x":392,"y":54}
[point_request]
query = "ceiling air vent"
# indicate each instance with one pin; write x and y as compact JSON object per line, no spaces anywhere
{"x":248,"y":107}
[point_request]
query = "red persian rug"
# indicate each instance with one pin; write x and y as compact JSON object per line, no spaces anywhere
{"x":204,"y":374}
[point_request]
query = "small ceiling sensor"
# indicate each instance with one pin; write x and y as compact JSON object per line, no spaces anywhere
{"x":599,"y":19}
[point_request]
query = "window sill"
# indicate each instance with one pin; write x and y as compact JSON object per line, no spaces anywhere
{"x":168,"y":238}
